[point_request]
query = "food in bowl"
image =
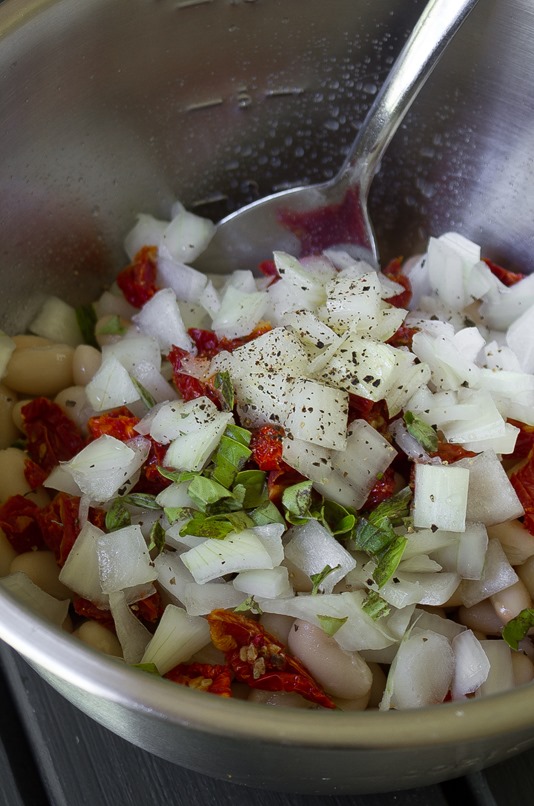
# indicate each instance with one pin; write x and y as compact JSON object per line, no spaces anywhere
{"x":311,"y":487}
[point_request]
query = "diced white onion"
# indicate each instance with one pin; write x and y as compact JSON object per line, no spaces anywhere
{"x":81,"y":572}
{"x":472,"y":665}
{"x":497,"y":575}
{"x":21,"y":587}
{"x":237,"y":552}
{"x":58,"y":322}
{"x":133,"y":636}
{"x":269,"y":583}
{"x":178,"y":636}
{"x":160,"y":318}
{"x":123,"y":559}
{"x":440,"y":498}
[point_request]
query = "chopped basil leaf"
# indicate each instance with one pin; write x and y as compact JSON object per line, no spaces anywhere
{"x":223,"y":383}
{"x":117,"y":516}
{"x":266,"y":513}
{"x":250,"y":605}
{"x":330,"y":624}
{"x":228,"y":460}
{"x":156,"y":538}
{"x":86,"y":318}
{"x":393,"y":510}
{"x":112,"y":327}
{"x":174,"y":514}
{"x":421,"y":431}
{"x":151,"y":668}
{"x":204,"y":492}
{"x":255,"y":489}
{"x":143,"y":500}
{"x":318,"y":579}
{"x":177,"y":475}
{"x":518,"y":627}
{"x":375,"y":606}
{"x":212,"y":526}
{"x":388,"y":560}
{"x":296,"y":499}
{"x":241,"y":435}
{"x":337,"y":519}
{"x":372,"y":539}
{"x":144,"y":394}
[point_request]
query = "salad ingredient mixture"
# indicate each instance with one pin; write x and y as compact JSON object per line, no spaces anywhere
{"x":312,"y":487}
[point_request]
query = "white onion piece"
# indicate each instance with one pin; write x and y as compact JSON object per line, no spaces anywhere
{"x":268,"y":583}
{"x":81,"y":572}
{"x":351,"y":298}
{"x":262,"y":396}
{"x":311,"y":331}
{"x":173,"y":576}
{"x":210,"y":299}
{"x":472,"y":665}
{"x":123,"y":559}
{"x":132,"y":350}
{"x":133,"y":636}
{"x":199,"y":600}
{"x":187,"y":235}
{"x":491,"y":498}
{"x":318,"y":414}
{"x":506,"y":304}
{"x":421,"y":673}
{"x":367,"y":455}
{"x":431,"y":621}
{"x":270,"y":535}
{"x":278,"y":350}
{"x":440,"y":497}
{"x":186,"y":282}
{"x":294,"y":273}
{"x":111,"y":386}
{"x":472,"y":547}
{"x":237,"y":552}
{"x":450,"y":259}
{"x":310,"y":460}
{"x":504,"y":444}
{"x":432,"y":589}
{"x":408,"y":444}
{"x":178,"y":636}
{"x":159,"y":389}
{"x":497,"y":575}
{"x":283,"y":297}
{"x":174,"y":419}
{"x":112,"y":302}
{"x":21,"y":587}
{"x":311,"y":548}
{"x":519,"y":339}
{"x":147,"y":231}
{"x":362,"y":366}
{"x":192,"y":451}
{"x":426,"y":541}
{"x":175,"y":495}
{"x":501,"y":673}
{"x":61,"y":479}
{"x":499,"y":356}
{"x":160,"y":318}
{"x":239,"y":313}
{"x":515,"y":539}
{"x":58,"y":322}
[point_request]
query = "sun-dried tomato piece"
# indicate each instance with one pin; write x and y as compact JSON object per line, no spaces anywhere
{"x":279,"y":480}
{"x":374,"y":413}
{"x":86,"y":609}
{"x":268,"y":269}
{"x":19,"y":521}
{"x":403,"y":336}
{"x":60,"y":525}
{"x":52,"y":437}
{"x":448,"y":452}
{"x":213,"y":678}
{"x":189,"y":387}
{"x":523,"y":483}
{"x":119,"y":423}
{"x":259,"y":659}
{"x":394,"y":271}
{"x":149,"y":609}
{"x":138,"y":280}
{"x":383,"y":489}
{"x":206,"y":342}
{"x":504,"y":275}
{"x":524,"y":442}
{"x":34,"y":474}
{"x":267,"y":448}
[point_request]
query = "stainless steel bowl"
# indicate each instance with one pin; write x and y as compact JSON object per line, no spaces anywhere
{"x":109,"y":107}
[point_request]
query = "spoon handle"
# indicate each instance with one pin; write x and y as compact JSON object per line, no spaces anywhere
{"x":437,"y":25}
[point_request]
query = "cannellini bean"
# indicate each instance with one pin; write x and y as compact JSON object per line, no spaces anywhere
{"x":481,"y":618}
{"x":16,"y":413}
{"x":95,"y":635}
{"x":278,"y":626}
{"x":455,"y":599}
{"x":40,"y":370}
{"x":378,"y":685}
{"x":13,"y":481}
{"x":525,"y":573}
{"x":286,"y":698}
{"x":7,"y":554}
{"x":352,"y":705}
{"x":73,"y":402}
{"x":523,"y":668}
{"x":517,"y":542}
{"x":42,"y":568}
{"x":509,"y":602}
{"x":8,"y":431}
{"x":85,"y":362}
{"x":24,"y":340}
{"x":342,"y":674}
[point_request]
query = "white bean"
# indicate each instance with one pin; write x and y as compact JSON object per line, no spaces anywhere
{"x":525,"y":573}
{"x":523,"y":668}
{"x":42,"y":568}
{"x":7,"y":554}
{"x":99,"y":637}
{"x":13,"y":481}
{"x":517,"y":542}
{"x":8,"y":431}
{"x":73,"y":402}
{"x":481,"y":618}
{"x":40,"y":370}
{"x":16,"y":413}
{"x":342,"y":674}
{"x":509,"y":602}
{"x":85,"y":362}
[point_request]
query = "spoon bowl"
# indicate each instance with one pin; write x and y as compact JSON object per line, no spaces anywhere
{"x":306,"y":220}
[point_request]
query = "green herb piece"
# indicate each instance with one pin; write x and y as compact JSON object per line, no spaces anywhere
{"x":372,"y":539}
{"x":156,"y":539}
{"x":388,"y":560}
{"x":216,"y":526}
{"x":223,"y":383}
{"x":151,"y":668}
{"x":249,"y":605}
{"x":393,"y":510}
{"x":143,"y":500}
{"x":297,"y":499}
{"x":117,"y":516}
{"x":375,"y":606}
{"x":241,"y":435}
{"x":518,"y":627}
{"x":318,"y":579}
{"x":144,"y":394}
{"x":421,"y":431}
{"x":330,"y":624}
{"x":86,"y":318}
{"x":337,"y":519}
{"x":228,"y":460}
{"x":112,"y":327}
{"x":203,"y":492}
{"x":178,"y":476}
{"x":253,"y":482}
{"x":174,"y":514}
{"x":266,"y":513}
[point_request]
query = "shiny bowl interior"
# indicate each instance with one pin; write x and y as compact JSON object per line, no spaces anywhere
{"x":110,"y":107}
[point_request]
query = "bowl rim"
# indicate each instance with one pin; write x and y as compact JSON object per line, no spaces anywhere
{"x":66,"y":658}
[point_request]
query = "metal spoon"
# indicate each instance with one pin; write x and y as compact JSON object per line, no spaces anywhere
{"x":308,"y":219}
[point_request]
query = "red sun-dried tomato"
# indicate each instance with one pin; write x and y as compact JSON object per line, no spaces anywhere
{"x":215,"y":679}
{"x":149,"y":610}
{"x":523,"y":483}
{"x":259,"y":659}
{"x":268,"y":269}
{"x":524,"y":442}
{"x":280,"y":480}
{"x":19,"y":521}
{"x":383,"y":489}
{"x":52,"y":437}
{"x":119,"y":423}
{"x":138,"y":280}
{"x":86,"y":609}
{"x":59,"y":524}
{"x":267,"y":448}
{"x":373,"y":412}
{"x":189,"y":387}
{"x":34,"y":474}
{"x":394,"y":271}
{"x":504,"y":275}
{"x":403,"y":336}
{"x":449,"y":452}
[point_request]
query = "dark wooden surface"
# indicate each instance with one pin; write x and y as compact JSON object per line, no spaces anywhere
{"x":53,"y":755}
